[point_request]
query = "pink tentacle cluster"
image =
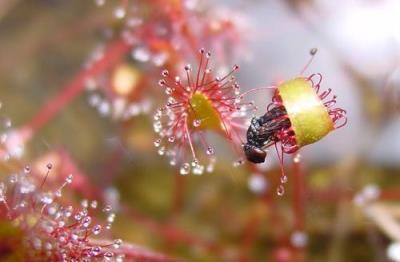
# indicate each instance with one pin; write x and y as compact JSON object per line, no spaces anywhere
{"x":338,"y":115}
{"x":53,"y":231}
{"x":288,"y":140}
{"x":286,"y":135}
{"x":172,"y":122}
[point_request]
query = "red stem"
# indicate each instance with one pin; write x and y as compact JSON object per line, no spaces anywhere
{"x":72,"y":89}
{"x":174,"y":234}
{"x":299,"y":191}
{"x":298,"y":196}
{"x":179,"y":192}
{"x":250,"y":234}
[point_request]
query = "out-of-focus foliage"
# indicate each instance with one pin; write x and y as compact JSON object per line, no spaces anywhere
{"x":341,"y":201}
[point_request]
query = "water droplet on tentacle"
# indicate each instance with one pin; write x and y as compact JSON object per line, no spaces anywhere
{"x":185,"y":169}
{"x":280,"y":190}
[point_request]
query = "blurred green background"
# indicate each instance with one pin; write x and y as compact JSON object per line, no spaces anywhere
{"x":327,"y":212}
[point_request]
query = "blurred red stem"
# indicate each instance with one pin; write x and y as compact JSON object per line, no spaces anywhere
{"x":72,"y":89}
{"x":275,"y":221}
{"x":299,"y":205}
{"x":179,"y":192}
{"x":167,"y":231}
{"x":171,"y":233}
{"x":250,"y":234}
{"x":298,"y":196}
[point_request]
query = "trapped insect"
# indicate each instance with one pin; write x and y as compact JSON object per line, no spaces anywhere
{"x":299,"y":114}
{"x":263,"y":132}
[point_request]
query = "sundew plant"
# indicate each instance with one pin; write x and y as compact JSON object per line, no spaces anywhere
{"x":187,"y":130}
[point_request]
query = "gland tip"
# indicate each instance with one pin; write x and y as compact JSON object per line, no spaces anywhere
{"x":313,"y":51}
{"x":165,"y":73}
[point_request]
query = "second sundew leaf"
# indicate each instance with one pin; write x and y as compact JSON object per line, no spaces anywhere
{"x":200,"y":103}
